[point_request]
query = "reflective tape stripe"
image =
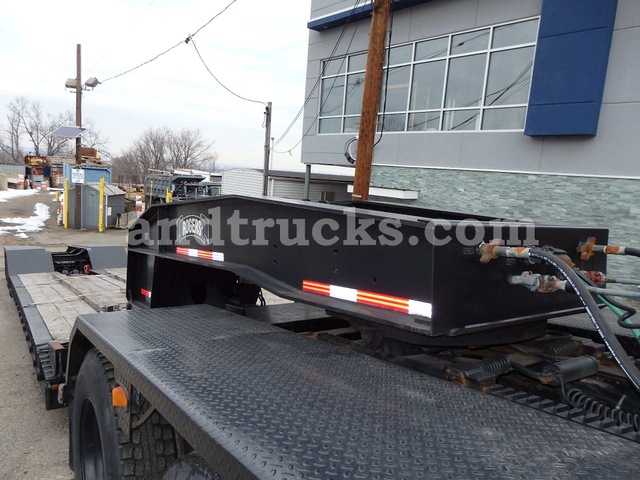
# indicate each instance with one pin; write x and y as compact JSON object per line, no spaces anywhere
{"x":380,"y":300}
{"x":343,"y":293}
{"x":196,"y":253}
{"x":146,"y":293}
{"x":420,"y":308}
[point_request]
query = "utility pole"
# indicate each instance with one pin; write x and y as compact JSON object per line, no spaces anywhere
{"x":78,"y":214}
{"x":371,"y":98}
{"x":267,"y":148}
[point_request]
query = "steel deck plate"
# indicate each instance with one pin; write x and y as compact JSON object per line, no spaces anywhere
{"x":260,"y":402}
{"x":582,"y":322}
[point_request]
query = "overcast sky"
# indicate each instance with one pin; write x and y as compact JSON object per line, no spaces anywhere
{"x":257,"y":48}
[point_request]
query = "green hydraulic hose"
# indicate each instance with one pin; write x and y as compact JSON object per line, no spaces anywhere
{"x":619,"y":312}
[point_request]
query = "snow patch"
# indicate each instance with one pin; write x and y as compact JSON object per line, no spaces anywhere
{"x":6,"y":195}
{"x":21,"y":235}
{"x":29,"y":224}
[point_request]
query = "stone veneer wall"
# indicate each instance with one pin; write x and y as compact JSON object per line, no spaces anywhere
{"x":603,"y":202}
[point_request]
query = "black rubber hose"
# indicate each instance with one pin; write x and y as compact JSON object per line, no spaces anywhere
{"x":632,"y":251}
{"x":604,"y":330}
{"x":629,"y":311}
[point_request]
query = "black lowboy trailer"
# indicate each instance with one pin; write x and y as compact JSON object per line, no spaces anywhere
{"x":391,"y":311}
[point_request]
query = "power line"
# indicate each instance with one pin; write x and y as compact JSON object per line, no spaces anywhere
{"x":144,"y":63}
{"x":386,"y":80}
{"x":189,"y":38}
{"x":214,"y":17}
{"x":331,"y":57}
{"x":315,"y":86}
{"x":112,"y":45}
{"x":216,"y":78}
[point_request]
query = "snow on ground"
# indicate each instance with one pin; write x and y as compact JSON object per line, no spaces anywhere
{"x":29,"y":224}
{"x":9,"y":194}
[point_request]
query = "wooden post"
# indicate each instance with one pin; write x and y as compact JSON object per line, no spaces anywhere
{"x":78,"y":215}
{"x":371,"y":99}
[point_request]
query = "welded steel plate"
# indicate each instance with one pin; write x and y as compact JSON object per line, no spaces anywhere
{"x":260,"y":402}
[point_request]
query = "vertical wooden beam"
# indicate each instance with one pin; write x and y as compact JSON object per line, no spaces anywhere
{"x":371,"y":98}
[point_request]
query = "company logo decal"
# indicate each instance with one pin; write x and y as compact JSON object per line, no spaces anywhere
{"x":193,"y":226}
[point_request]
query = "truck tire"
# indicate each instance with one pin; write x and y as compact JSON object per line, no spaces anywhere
{"x":100,"y":450}
{"x":190,"y":467}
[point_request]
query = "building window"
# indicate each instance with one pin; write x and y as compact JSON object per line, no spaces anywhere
{"x":327,"y":196}
{"x":475,"y":80}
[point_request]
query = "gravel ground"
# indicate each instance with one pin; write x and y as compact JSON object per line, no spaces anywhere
{"x":33,"y":442}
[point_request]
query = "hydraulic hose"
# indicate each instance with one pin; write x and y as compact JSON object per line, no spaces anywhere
{"x":588,"y":248}
{"x":604,"y":330}
{"x":632,"y":251}
{"x":623,"y":317}
{"x":617,"y":307}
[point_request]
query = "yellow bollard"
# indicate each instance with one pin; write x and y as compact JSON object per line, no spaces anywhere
{"x":101,"y":208}
{"x":65,"y":207}
{"x":57,"y":199}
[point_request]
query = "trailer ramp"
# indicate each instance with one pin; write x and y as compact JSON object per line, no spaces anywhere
{"x":260,"y":402}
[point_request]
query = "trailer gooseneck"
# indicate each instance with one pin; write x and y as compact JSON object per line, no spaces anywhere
{"x":391,"y":312}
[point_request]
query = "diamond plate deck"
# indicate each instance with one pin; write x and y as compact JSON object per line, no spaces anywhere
{"x":260,"y":402}
{"x":582,"y":322}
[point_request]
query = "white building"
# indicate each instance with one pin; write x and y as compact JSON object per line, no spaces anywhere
{"x":511,"y":108}
{"x":282,"y":184}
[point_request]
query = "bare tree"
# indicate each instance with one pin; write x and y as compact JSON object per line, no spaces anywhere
{"x":33,"y":125}
{"x":151,"y":149}
{"x":164,"y":149}
{"x":126,"y":170}
{"x":27,"y":121}
{"x":12,"y":133}
{"x":57,"y":145}
{"x":92,"y":137}
{"x":188,"y":149}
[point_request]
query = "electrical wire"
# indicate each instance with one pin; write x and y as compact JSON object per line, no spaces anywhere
{"x":214,"y":17}
{"x":319,"y":80}
{"x":144,"y":63}
{"x":386,"y":81}
{"x":132,"y":24}
{"x":190,"y":39}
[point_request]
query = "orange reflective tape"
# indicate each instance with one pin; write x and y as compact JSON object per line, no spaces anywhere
{"x":119,"y":397}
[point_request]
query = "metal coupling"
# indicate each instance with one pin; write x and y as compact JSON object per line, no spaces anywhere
{"x":589,"y":248}
{"x":494,"y":249}
{"x":536,"y":282}
{"x":597,"y":278}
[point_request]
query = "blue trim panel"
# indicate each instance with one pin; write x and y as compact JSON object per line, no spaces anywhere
{"x":570,"y":67}
{"x":342,"y":18}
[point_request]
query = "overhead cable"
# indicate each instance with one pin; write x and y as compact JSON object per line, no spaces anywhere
{"x":189,"y":38}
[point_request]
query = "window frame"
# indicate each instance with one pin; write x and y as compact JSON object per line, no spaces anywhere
{"x":447,"y":57}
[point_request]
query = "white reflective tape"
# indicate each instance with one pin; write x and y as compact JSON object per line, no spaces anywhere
{"x":420,"y":308}
{"x":217,"y":256}
{"x":350,"y":294}
{"x":192,"y":252}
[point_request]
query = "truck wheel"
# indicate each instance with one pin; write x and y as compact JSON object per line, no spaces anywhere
{"x":100,"y":450}
{"x":190,"y":467}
